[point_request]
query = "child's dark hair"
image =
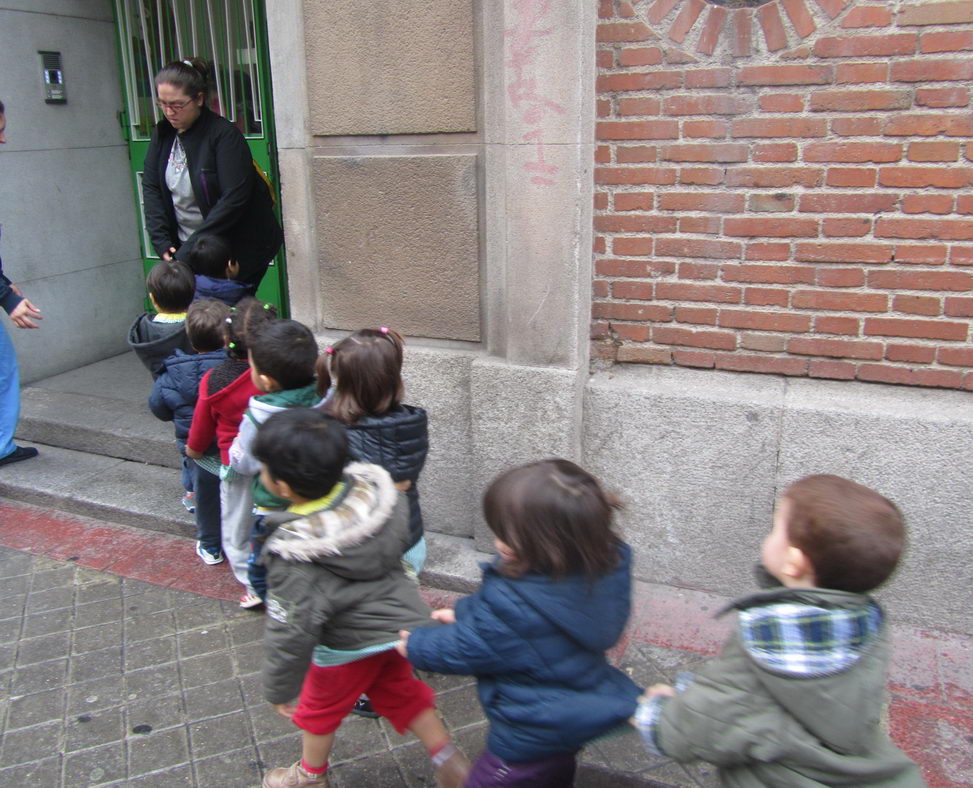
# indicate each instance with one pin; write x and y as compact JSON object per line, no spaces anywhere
{"x":368,"y":366}
{"x":205,"y":320}
{"x":172,"y":284}
{"x":852,"y":536}
{"x":556,"y":519}
{"x":191,"y":76}
{"x":210,"y":255}
{"x":286,"y":351}
{"x":245,"y":318}
{"x":305,"y":448}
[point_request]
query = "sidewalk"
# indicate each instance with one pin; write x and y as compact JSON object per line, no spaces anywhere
{"x":126,"y":662}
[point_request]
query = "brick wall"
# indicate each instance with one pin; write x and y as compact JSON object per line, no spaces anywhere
{"x":786,"y":188}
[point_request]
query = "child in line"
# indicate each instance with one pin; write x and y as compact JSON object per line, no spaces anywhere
{"x":215,"y":272}
{"x":338,"y":596}
{"x":367,"y":398}
{"x":173,"y":398}
{"x":282,"y":358}
{"x":155,"y":337}
{"x":224,"y":393}
{"x":796,"y":696}
{"x":535,"y":634}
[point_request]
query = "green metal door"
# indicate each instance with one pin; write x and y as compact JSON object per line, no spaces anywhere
{"x":231,"y":35}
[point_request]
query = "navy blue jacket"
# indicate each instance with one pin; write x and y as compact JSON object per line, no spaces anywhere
{"x":229,"y":291}
{"x":537,"y":647}
{"x":399,"y":442}
{"x":174,"y":394}
{"x":9,"y":300}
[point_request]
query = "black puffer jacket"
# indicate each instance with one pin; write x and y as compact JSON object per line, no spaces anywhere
{"x":399,"y":442}
{"x":176,"y":390}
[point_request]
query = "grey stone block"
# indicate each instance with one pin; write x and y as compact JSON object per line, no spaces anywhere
{"x":452,"y":563}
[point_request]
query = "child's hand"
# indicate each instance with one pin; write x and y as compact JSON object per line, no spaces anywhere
{"x":445,"y":615}
{"x":285,"y":709}
{"x":193,"y":455}
{"x":403,"y":645}
{"x":660,"y":689}
{"x":403,"y":485}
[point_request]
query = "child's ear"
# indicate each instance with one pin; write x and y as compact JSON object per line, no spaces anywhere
{"x":232,"y":269}
{"x":155,"y":305}
{"x":267,"y":383}
{"x":797,"y":567}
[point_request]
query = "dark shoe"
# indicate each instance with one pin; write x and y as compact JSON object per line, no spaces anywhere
{"x":363,"y":708}
{"x":18,"y":454}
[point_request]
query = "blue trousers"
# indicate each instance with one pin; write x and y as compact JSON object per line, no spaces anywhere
{"x":256,"y":571}
{"x":207,"y":508}
{"x":9,"y":393}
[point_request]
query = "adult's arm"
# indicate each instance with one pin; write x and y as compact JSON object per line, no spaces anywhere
{"x":156,"y":200}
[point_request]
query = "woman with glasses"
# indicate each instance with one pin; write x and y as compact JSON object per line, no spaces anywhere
{"x":200,"y":178}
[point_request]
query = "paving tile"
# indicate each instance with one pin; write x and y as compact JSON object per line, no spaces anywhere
{"x":36,"y":708}
{"x":210,"y":737}
{"x":101,"y":612}
{"x":234,"y":768}
{"x":246,"y":630}
{"x":151,"y":600}
{"x":39,"y":677}
{"x":13,"y":586}
{"x":14,"y":562}
{"x":440,"y":682}
{"x":203,"y":641}
{"x":60,"y":577}
{"x":44,"y":648}
{"x":96,"y":664}
{"x":10,"y":629}
{"x":157,"y":750}
{"x":249,"y":658}
{"x":358,"y":736}
{"x":252,"y":688}
{"x":173,"y":777}
{"x":956,"y":666}
{"x":206,"y":669}
{"x":49,"y":599}
{"x":151,"y":626}
{"x":24,"y":745}
{"x":151,"y":682}
{"x":279,"y":752}
{"x":459,"y":707}
{"x":94,"y":695}
{"x":90,"y":730}
{"x":155,"y":714}
{"x":95,"y":766}
{"x":379,"y":771}
{"x":268,"y":724}
{"x":47,"y":623}
{"x":414,"y":765}
{"x":87,"y":639}
{"x":43,"y":772}
{"x":211,"y":700}
{"x":147,"y":653}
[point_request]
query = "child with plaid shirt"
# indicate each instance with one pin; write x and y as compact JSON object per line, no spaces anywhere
{"x":796,"y":696}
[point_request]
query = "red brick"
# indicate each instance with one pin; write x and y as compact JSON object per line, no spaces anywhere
{"x":659,"y":176}
{"x":866,"y":46}
{"x":712,"y":28}
{"x":868,"y":16}
{"x":633,"y":201}
{"x":678,"y":57}
{"x":835,"y":370}
{"x":708,"y":77}
{"x":632,"y":291}
{"x":927,"y":203}
{"x":942,"y":97}
{"x":737,"y":362}
{"x":781,"y":102}
{"x":768,"y":343}
{"x":961,"y":255}
{"x":686,"y":291}
{"x":719,"y":104}
{"x":771,"y":228}
{"x":694,"y":358}
{"x":762,"y":250}
{"x":879,"y":152}
{"x":699,"y":270}
{"x":632,"y":223}
{"x":741,"y":37}
{"x":634,"y":354}
{"x":639,"y":106}
{"x":918,"y":329}
{"x":846,"y":73}
{"x":770,"y":203}
{"x":606,"y":9}
{"x":630,"y":332}
{"x":840,"y":301}
{"x":921,"y":177}
{"x":860,"y":100}
{"x":613,"y":310}
{"x":860,"y":202}
{"x":955,"y":356}
{"x":697,"y":315}
{"x":599,"y":289}
{"x":857,"y":127}
{"x":836,"y":348}
{"x":632,"y":246}
{"x":921,"y":254}
{"x":652,"y":80}
{"x":637,"y":130}
{"x":610,"y":32}
{"x":635,"y":154}
{"x":964,"y":204}
{"x":850,"y":227}
{"x":712,"y":129}
{"x":768,"y":274}
{"x":707,"y":225}
{"x":598,"y":245}
{"x":635,"y":268}
{"x":832,"y":7}
{"x":829,"y":324}
{"x":604,"y":58}
{"x":773,"y":177}
{"x":603,"y":154}
{"x":946,"y":13}
{"x":840,"y":277}
{"x":640,"y":56}
{"x":946,"y":229}
{"x":685,"y":20}
{"x":851,"y":176}
{"x":933,"y":151}
{"x":957,"y":281}
{"x":928,"y":125}
{"x":910,"y":354}
{"x":764,"y":321}
{"x":784,"y":75}
{"x":775,"y":152}
{"x":917,"y":305}
{"x":717,"y":152}
{"x":765,"y":296}
{"x":843,"y":253}
{"x":772,"y":26}
{"x":939,"y":378}
{"x":701,"y":201}
{"x":800,"y":17}
{"x":693,"y":247}
{"x":659,"y":10}
{"x":957,"y":306}
{"x":600,"y":201}
{"x":714,"y":340}
{"x":603,"y":108}
{"x":701,"y":176}
{"x":780,"y":127}
{"x":947,"y":41}
{"x":932,"y":70}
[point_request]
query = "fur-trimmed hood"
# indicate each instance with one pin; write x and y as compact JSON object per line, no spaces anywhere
{"x":355,"y":537}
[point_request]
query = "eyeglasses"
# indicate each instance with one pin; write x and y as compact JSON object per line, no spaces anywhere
{"x":175,"y":106}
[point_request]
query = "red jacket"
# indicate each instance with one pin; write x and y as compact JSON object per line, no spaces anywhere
{"x":218,"y":415}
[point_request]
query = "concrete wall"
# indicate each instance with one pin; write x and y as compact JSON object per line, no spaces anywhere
{"x":69,"y":233}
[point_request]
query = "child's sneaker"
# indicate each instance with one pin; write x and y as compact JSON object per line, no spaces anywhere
{"x":210,"y":557}
{"x":452,"y":771}
{"x":364,"y":708}
{"x":294,"y":777}
{"x":250,"y":600}
{"x":189,"y":502}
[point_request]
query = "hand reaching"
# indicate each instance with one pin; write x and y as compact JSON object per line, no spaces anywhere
{"x":25,"y":313}
{"x":445,"y":615}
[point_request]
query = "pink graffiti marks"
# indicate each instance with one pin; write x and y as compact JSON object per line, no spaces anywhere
{"x":523,"y":92}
